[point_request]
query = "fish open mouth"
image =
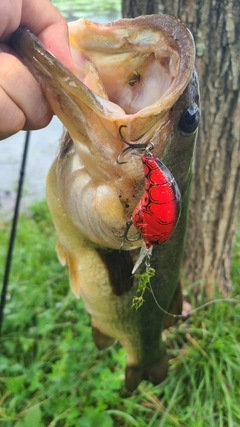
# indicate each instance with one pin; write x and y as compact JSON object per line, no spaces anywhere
{"x":132,"y":77}
{"x":127,"y":72}
{"x":134,"y":67}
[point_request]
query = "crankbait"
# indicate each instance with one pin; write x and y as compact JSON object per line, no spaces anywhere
{"x":157,"y":212}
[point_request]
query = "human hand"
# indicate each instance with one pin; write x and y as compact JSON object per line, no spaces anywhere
{"x":22,"y":102}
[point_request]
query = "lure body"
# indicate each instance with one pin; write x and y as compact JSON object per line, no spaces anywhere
{"x":157,"y":212}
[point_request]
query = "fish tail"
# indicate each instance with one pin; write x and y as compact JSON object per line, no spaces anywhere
{"x":154,"y":373}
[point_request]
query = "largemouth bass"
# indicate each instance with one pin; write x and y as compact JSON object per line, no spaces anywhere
{"x":137,"y":75}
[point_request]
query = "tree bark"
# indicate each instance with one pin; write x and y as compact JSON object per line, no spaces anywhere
{"x":133,"y":8}
{"x":215,"y":198}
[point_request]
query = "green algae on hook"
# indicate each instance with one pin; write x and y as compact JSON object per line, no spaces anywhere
{"x":143,"y":280}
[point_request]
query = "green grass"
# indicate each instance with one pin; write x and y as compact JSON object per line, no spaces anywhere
{"x":52,"y":374}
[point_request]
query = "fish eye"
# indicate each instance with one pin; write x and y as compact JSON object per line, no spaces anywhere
{"x":189,"y":120}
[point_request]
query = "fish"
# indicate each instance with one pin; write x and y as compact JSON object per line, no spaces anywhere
{"x":137,"y":75}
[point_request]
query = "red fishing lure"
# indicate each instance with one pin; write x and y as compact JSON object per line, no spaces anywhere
{"x":157,"y":212}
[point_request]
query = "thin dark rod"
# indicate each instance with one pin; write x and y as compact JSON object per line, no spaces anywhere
{"x":13,"y":230}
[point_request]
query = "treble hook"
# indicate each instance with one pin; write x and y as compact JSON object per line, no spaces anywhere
{"x":125,"y":237}
{"x":147,"y":146}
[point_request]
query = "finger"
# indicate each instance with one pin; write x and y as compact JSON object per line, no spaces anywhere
{"x":43,"y":19}
{"x":12,"y":119}
{"x":11,"y":10}
{"x":50,"y":27}
{"x":23,"y":104}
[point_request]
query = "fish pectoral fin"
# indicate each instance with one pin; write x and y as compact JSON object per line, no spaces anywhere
{"x":66,"y":257}
{"x":60,"y":253}
{"x":101,"y":340}
{"x":155,"y":373}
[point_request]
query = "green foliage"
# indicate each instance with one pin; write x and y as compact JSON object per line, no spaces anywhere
{"x":143,"y":281}
{"x":53,"y":376}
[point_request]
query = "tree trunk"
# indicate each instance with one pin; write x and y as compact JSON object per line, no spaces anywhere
{"x":133,"y":8}
{"x":215,"y":197}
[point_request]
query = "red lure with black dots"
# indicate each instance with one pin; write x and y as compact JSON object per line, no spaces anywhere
{"x":156,"y":214}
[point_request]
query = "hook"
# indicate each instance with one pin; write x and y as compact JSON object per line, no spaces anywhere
{"x":131,"y":145}
{"x":125,"y":237}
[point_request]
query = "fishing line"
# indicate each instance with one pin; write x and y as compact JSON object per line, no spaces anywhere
{"x":182,"y":316}
{"x":145,"y":283}
{"x":185,"y":316}
{"x":13,"y":230}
